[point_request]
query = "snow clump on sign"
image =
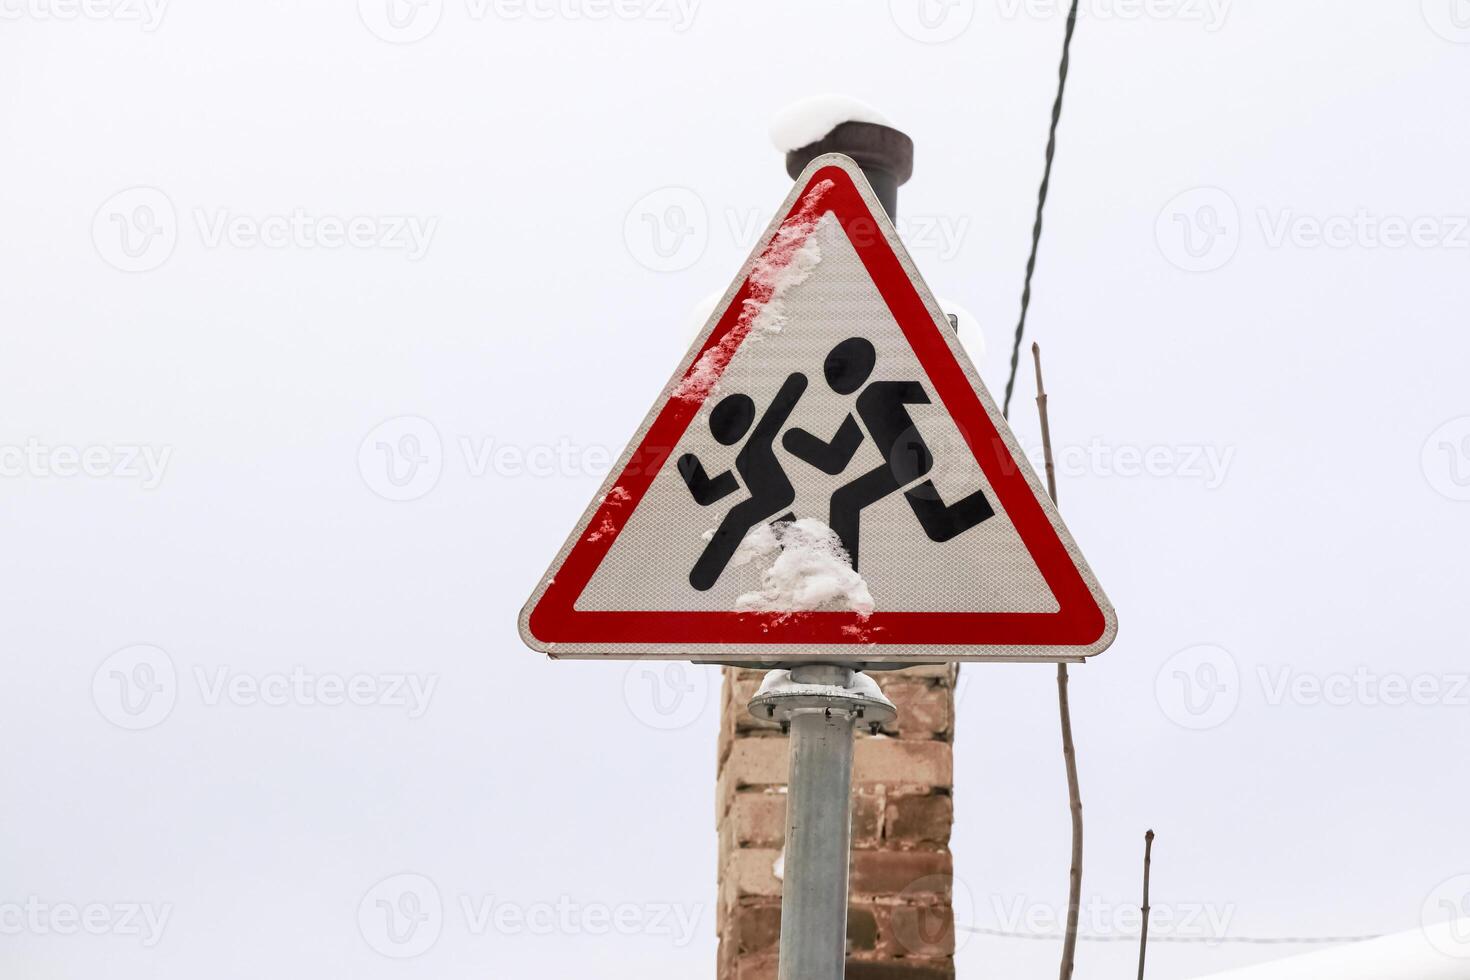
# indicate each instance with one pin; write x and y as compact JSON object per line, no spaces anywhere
{"x":811,"y":573}
{"x":804,"y":122}
{"x":787,"y":260}
{"x":768,"y":316}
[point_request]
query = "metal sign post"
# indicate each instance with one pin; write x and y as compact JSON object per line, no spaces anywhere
{"x":818,"y":704}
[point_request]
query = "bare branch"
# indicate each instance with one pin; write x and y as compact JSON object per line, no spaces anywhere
{"x":1069,"y":751}
{"x":1148,"y":850}
{"x":1051,"y":469}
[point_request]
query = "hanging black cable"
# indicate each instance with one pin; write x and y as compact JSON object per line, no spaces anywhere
{"x":1051,"y":152}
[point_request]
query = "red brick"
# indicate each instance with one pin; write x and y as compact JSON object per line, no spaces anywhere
{"x":726,"y":958}
{"x":944,"y":673}
{"x":759,"y":761}
{"x":925,"y":711}
{"x":757,"y":967}
{"x":726,"y":739}
{"x":724,"y":794}
{"x":912,"y":874}
{"x":758,"y":819}
{"x":867,"y":819}
{"x":900,"y":970}
{"x":895,"y":762}
{"x":750,"y":873}
{"x":919,"y":820}
{"x":756,"y":927}
{"x":918,"y":930}
{"x":862,"y":929}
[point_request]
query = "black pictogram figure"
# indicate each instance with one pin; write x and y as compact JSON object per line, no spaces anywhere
{"x":882,"y":407}
{"x":769,"y":488}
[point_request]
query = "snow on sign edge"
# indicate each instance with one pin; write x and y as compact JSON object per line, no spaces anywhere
{"x":892,"y":653}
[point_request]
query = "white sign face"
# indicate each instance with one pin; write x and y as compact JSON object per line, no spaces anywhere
{"x":825,"y":477}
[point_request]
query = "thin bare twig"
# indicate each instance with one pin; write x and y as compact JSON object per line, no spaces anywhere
{"x":1069,"y":751}
{"x":1074,"y":898}
{"x":1148,"y":850}
{"x":1051,"y":469}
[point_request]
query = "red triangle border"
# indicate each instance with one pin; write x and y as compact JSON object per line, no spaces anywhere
{"x":1079,"y":622}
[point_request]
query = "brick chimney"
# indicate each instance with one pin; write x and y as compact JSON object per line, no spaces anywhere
{"x":900,"y":919}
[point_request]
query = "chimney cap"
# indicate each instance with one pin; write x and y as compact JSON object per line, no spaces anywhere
{"x":872,"y":146}
{"x":885,"y":155}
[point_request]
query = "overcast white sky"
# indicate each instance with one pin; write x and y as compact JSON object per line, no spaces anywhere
{"x":1256,"y":266}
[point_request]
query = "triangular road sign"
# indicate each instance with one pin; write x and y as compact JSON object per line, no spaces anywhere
{"x":824,"y":477}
